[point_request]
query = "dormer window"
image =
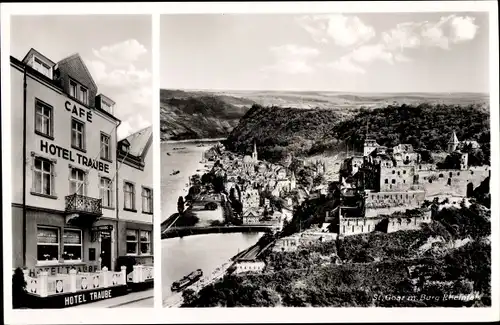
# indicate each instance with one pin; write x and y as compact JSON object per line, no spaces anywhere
{"x":42,"y":67}
{"x":107,"y":107}
{"x":125,"y":147}
{"x":78,"y":92}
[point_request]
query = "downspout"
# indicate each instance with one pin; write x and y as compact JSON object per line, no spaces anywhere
{"x":116,"y":191}
{"x":24,"y":168}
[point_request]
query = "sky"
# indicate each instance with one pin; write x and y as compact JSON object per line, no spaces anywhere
{"x":116,"y":50}
{"x":368,"y":52}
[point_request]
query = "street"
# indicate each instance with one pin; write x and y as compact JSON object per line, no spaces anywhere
{"x":141,"y":299}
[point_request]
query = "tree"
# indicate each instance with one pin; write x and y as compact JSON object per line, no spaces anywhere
{"x":18,"y":289}
{"x":180,"y":205}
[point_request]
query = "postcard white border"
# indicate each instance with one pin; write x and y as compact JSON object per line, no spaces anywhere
{"x":239,"y":315}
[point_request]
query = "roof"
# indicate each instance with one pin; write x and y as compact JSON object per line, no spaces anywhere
{"x":453,"y":138}
{"x":33,"y":51}
{"x":78,"y":57}
{"x":139,"y":140}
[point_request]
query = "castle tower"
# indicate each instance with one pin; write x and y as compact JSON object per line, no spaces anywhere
{"x":369,"y":145}
{"x":453,"y":143}
{"x":254,"y":153}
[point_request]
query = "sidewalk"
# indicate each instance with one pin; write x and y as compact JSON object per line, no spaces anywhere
{"x":119,"y":301}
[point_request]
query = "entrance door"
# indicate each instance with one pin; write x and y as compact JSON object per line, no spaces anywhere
{"x":106,"y":252}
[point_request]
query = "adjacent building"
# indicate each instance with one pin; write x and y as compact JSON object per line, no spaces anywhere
{"x":69,"y":179}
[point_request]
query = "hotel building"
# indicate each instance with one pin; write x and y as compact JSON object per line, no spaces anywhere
{"x":80,"y":198}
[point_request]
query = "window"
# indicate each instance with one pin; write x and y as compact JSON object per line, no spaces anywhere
{"x":47,"y":241}
{"x":73,"y":89}
{"x":145,"y":242}
{"x":393,"y":181}
{"x":131,"y":241}
{"x":404,"y":171}
{"x":72,"y":249}
{"x":393,"y":172}
{"x":386,"y":181}
{"x":41,"y":67}
{"x":83,"y":95}
{"x":77,"y":182}
{"x":147,"y":200}
{"x":105,"y":146}
{"x":43,"y":119}
{"x":43,"y":178}
{"x":105,"y":192}
{"x":129,"y":196}
{"x":77,"y":134}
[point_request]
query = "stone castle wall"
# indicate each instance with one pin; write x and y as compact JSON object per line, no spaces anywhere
{"x":451,"y":182}
{"x":399,"y":178}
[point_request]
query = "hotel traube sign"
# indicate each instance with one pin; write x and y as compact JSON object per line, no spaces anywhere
{"x":70,"y":155}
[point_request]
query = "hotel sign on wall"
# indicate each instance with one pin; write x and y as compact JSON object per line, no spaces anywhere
{"x":70,"y":155}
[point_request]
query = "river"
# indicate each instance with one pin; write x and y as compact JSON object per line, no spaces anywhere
{"x":181,"y":256}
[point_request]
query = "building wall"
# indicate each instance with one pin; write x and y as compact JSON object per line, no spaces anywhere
{"x":94,"y":123}
{"x":414,"y":223}
{"x":378,"y":203}
{"x":17,"y":236}
{"x":451,"y":182}
{"x":398,"y":178}
{"x":249,"y":266}
{"x":354,"y":226}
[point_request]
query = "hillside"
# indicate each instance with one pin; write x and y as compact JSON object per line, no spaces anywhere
{"x":452,"y":255}
{"x":196,"y":115}
{"x":280,"y":131}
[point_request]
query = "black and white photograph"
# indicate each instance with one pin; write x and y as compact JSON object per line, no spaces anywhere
{"x":269,"y":162}
{"x":325,"y":160}
{"x":82,"y":181}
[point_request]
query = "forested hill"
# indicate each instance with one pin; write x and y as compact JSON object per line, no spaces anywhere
{"x":194,"y":115}
{"x":279,"y":131}
{"x":424,"y":126}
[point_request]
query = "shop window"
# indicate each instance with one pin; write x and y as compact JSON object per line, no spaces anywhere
{"x":47,"y":244}
{"x":77,"y":182}
{"x":72,"y":249}
{"x":77,"y":134}
{"x":106,"y":192}
{"x":147,"y":200}
{"x":105,"y":146}
{"x":43,"y":119}
{"x":145,"y":242}
{"x":129,"y":196}
{"x":132,"y":238}
{"x":43,"y":176}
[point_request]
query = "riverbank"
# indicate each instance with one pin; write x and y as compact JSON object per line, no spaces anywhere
{"x":187,"y":162}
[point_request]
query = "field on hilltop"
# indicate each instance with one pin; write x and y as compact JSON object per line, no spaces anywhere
{"x":351,"y":100}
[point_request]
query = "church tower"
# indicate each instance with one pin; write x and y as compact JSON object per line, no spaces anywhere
{"x":293,"y":181}
{"x":254,"y":153}
{"x":453,"y":143}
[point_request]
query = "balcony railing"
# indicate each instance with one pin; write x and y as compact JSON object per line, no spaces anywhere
{"x":76,"y":203}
